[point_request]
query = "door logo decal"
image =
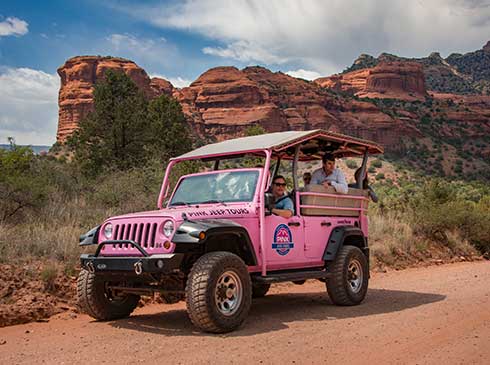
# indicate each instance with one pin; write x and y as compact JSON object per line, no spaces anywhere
{"x":283,"y":240}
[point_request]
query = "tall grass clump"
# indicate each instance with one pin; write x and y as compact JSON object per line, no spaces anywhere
{"x":450,"y":213}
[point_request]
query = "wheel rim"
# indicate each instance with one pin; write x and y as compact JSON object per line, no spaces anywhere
{"x":229,"y":293}
{"x":354,"y":275}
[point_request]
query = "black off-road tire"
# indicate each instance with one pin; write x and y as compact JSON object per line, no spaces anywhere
{"x":94,"y":299}
{"x":204,"y":284}
{"x":260,"y":290}
{"x":341,"y":286}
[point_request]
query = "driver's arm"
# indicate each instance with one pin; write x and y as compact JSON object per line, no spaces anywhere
{"x":285,"y":209}
{"x":285,"y":213}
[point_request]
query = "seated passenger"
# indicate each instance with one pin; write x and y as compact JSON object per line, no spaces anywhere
{"x":329,"y":175}
{"x":307,"y":178}
{"x":284,"y":206}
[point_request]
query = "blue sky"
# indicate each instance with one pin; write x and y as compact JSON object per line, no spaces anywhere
{"x":180,"y":40}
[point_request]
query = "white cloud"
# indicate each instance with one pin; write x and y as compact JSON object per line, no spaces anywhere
{"x":147,"y":51}
{"x":13,"y":26}
{"x":304,"y":74}
{"x":28,"y":106}
{"x":245,"y":51}
{"x":325,"y":35}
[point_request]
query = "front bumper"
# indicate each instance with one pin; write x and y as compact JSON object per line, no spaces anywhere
{"x":159,"y":263}
{"x":164,"y":263}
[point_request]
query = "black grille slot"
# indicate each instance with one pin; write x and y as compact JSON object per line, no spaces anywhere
{"x":146,"y":237}
{"x":134,"y":228}
{"x":140,"y":233}
{"x":116,"y":231}
{"x":123,"y":229}
{"x":153,"y":234}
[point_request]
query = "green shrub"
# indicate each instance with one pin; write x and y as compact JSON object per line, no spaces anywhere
{"x":380,"y":176}
{"x":377,"y":163}
{"x":22,"y":184}
{"x":351,"y":164}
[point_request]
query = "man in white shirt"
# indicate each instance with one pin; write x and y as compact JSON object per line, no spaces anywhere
{"x":329,"y":175}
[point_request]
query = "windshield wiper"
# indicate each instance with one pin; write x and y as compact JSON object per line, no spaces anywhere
{"x":213,"y":201}
{"x":180,"y":203}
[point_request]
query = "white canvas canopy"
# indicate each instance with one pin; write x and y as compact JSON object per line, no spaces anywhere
{"x":312,"y":145}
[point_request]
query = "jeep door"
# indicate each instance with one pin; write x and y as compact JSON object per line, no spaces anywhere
{"x":284,"y":242}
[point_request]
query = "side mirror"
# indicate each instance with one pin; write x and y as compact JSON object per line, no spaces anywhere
{"x":268,"y":203}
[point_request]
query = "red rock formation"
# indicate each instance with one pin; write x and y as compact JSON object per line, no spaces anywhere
{"x":224,"y":101}
{"x":394,"y":80}
{"x":78,"y":77}
{"x":161,"y":86}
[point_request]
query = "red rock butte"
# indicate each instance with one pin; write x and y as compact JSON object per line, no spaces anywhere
{"x":394,"y":80}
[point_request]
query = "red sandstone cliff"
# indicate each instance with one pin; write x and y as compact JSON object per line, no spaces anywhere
{"x":78,"y":77}
{"x":393,"y":80}
{"x":223,"y":101}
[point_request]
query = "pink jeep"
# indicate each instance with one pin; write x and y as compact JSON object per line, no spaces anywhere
{"x":214,"y":240}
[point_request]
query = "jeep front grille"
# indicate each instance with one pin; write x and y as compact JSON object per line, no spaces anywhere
{"x":142,"y":233}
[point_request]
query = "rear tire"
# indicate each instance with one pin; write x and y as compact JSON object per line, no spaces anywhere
{"x":350,"y":276}
{"x":218,"y":292}
{"x":99,"y":302}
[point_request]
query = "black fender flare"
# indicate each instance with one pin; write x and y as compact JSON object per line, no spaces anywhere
{"x":91,"y":237}
{"x":206,"y":235}
{"x":337,"y":238}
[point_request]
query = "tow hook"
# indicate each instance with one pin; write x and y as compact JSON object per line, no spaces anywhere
{"x":90,"y":267}
{"x":138,"y":268}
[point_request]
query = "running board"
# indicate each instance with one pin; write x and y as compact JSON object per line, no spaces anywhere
{"x":290,"y":276}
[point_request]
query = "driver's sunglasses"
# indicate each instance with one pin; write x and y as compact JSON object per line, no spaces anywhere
{"x":280,"y":184}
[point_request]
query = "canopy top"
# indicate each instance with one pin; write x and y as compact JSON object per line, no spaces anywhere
{"x":313,"y":144}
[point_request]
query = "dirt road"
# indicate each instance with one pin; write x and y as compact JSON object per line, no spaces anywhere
{"x":428,"y":315}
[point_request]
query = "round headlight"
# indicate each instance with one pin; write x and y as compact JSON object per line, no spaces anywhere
{"x":108,"y":230}
{"x":168,"y":228}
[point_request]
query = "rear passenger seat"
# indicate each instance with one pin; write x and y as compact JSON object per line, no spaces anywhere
{"x":342,"y":201}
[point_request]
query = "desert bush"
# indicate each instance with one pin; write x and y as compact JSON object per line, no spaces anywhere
{"x":440,"y":210}
{"x":376,"y":163}
{"x":351,"y":164}
{"x":48,"y":275}
{"x":22,"y":187}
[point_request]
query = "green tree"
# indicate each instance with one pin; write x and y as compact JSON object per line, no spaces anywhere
{"x":254,"y":130}
{"x":113,"y":135}
{"x":125,"y":130}
{"x":168,"y":132}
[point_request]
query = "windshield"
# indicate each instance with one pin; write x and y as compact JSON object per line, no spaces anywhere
{"x":219,"y":187}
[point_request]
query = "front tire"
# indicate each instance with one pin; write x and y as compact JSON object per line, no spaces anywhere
{"x":350,"y":276}
{"x":218,"y":292}
{"x":99,"y":302}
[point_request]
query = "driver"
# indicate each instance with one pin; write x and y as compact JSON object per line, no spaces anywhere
{"x":283,"y":206}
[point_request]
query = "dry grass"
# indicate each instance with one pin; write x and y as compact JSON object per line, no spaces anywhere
{"x":393,"y":243}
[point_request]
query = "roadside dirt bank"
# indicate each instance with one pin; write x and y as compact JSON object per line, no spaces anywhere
{"x":37,"y":290}
{"x":429,"y":315}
